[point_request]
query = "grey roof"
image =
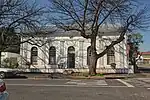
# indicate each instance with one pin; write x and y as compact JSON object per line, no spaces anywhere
{"x":57,"y":32}
{"x":62,"y":33}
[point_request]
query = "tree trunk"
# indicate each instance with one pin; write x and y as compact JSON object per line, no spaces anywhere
{"x":135,"y":66}
{"x":0,"y":57}
{"x":93,"y":57}
{"x":92,"y":66}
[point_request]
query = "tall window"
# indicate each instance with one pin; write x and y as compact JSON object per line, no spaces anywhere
{"x":111,"y":56}
{"x":88,"y":55}
{"x":71,"y":57}
{"x":52,"y":55}
{"x":34,"y":55}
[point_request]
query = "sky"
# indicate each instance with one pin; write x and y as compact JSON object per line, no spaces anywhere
{"x":146,"y":33}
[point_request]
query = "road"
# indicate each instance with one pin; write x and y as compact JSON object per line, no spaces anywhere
{"x":55,"y":89}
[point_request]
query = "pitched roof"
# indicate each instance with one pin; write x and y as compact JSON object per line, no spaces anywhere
{"x":146,"y":53}
{"x":56,"y":32}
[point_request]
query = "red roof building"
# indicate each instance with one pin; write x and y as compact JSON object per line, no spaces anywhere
{"x":146,"y":57}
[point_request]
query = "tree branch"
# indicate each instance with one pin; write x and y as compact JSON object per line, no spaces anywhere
{"x":121,"y":38}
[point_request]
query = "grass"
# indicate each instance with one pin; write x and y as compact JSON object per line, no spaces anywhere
{"x":87,"y":75}
{"x":99,"y":74}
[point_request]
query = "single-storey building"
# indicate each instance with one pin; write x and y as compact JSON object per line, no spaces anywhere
{"x":145,"y":57}
{"x":60,"y":51}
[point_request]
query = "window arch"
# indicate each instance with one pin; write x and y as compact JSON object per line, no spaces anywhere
{"x":52,"y":55}
{"x":34,"y":55}
{"x":71,"y":57}
{"x":88,"y":55}
{"x":111,"y":56}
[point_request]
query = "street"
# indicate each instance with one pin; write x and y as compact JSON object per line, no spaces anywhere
{"x":68,"y":89}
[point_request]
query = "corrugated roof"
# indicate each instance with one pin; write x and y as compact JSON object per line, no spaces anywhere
{"x":146,"y":53}
{"x":55,"y":32}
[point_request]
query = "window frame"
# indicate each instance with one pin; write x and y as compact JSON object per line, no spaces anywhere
{"x":111,"y":56}
{"x":34,"y":55}
{"x":52,"y":55}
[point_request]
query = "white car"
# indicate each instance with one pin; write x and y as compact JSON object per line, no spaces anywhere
{"x":7,"y":72}
{"x":3,"y":92}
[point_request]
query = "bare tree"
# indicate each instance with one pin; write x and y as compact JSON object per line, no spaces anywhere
{"x":88,"y":16}
{"x":17,"y":16}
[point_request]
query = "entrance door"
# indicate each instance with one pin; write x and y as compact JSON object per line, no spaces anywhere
{"x":71,"y":57}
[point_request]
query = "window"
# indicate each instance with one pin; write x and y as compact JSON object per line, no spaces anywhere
{"x":71,"y":57}
{"x":88,"y":55}
{"x":52,"y":55}
{"x":34,"y":55}
{"x":111,"y":56}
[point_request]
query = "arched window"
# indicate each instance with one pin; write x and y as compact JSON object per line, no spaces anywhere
{"x":52,"y":55}
{"x":88,"y":55}
{"x":111,"y":56}
{"x":71,"y":57}
{"x":34,"y":55}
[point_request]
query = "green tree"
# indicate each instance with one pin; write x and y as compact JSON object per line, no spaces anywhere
{"x":134,"y":41}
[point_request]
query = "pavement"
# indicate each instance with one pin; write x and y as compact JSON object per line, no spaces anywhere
{"x":139,"y":82}
{"x":78,"y":89}
{"x":63,"y":76}
{"x":144,"y":73}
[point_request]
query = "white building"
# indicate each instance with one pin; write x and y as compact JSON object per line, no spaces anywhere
{"x":69,"y":51}
{"x":8,"y":55}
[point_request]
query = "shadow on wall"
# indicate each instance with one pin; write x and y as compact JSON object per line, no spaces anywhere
{"x":35,"y":70}
{"x":122,"y":70}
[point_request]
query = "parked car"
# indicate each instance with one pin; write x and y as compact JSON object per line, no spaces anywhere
{"x":8,"y":72}
{"x":3,"y":92}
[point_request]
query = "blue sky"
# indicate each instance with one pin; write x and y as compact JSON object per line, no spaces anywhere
{"x":146,"y":34}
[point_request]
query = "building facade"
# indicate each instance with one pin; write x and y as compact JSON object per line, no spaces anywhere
{"x":145,"y":58}
{"x":10,"y":60}
{"x":69,"y":51}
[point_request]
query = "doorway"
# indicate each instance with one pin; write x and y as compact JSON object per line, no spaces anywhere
{"x":71,"y":57}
